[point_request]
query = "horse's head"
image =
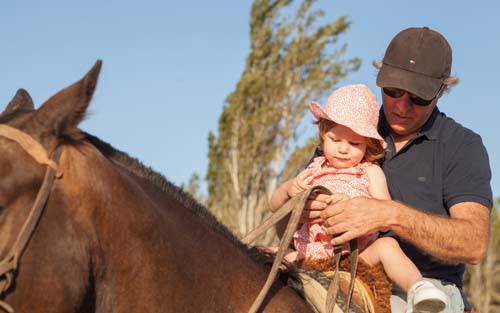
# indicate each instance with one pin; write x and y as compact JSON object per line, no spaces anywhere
{"x":28,"y":139}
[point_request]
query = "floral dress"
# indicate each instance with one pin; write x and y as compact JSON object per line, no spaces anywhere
{"x":310,"y":240}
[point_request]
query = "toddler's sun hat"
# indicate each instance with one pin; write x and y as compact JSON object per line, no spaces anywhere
{"x":353,"y":106}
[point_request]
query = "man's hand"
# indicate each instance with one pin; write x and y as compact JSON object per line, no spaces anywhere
{"x":316,"y":204}
{"x":353,"y":218}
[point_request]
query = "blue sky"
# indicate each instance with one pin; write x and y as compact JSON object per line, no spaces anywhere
{"x":169,"y":65}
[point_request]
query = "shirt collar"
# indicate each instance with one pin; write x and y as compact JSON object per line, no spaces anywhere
{"x":430,"y":129}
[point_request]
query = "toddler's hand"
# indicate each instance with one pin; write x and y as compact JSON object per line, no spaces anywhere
{"x":298,"y":185}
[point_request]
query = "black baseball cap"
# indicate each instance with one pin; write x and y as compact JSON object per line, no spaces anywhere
{"x":417,"y":60}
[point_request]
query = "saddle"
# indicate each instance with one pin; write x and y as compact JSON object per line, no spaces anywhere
{"x":312,"y":278}
{"x":370,"y":294}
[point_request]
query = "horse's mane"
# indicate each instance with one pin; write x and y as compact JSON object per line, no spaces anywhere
{"x":136,"y":167}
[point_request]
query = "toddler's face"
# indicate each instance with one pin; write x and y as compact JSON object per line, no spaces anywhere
{"x":342,"y":147}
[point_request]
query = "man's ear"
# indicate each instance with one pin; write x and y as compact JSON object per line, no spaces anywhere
{"x":442,"y":91}
{"x":21,"y":101}
{"x":66,"y":109}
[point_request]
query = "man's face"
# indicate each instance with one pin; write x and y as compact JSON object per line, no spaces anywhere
{"x":404,"y":117}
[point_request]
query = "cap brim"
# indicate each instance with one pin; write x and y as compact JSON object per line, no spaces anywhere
{"x":422,"y":86}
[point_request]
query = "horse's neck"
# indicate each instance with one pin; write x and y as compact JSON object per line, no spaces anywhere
{"x":211,"y":263}
{"x":153,"y":247}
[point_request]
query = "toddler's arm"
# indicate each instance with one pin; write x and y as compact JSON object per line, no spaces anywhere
{"x":377,"y":185}
{"x":289,"y":189}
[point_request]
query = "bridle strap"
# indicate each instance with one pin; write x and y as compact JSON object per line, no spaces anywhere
{"x":295,"y":206}
{"x":9,"y":264}
{"x":30,"y":145}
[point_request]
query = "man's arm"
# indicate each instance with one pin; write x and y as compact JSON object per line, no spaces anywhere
{"x":462,"y":237}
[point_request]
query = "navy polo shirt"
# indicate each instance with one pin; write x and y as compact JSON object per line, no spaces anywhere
{"x":444,"y":165}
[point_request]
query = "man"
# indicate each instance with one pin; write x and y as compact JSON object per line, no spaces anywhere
{"x":437,"y":171}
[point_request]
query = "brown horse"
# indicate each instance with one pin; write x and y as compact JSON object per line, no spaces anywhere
{"x":114,"y":236}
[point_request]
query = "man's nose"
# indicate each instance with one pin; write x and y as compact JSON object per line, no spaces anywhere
{"x":403,"y":104}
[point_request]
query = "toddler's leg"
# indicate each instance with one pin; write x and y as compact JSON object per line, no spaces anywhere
{"x":423,"y":296}
{"x":397,"y":265}
{"x":291,"y":256}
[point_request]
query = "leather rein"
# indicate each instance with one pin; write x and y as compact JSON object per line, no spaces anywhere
{"x":294,"y":207}
{"x":9,"y":264}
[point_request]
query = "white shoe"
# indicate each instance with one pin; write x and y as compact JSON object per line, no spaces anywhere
{"x":424,"y":297}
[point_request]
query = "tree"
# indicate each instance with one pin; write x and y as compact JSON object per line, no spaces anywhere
{"x":193,"y":188}
{"x":290,"y":63}
{"x":482,"y":281}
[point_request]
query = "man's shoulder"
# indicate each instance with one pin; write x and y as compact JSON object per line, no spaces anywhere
{"x":453,"y":133}
{"x":465,"y":164}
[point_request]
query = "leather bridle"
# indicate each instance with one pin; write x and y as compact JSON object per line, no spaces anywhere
{"x":9,"y":264}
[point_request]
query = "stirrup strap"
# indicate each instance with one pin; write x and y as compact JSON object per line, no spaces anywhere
{"x":331,"y":297}
{"x":333,"y":288}
{"x":353,"y":245}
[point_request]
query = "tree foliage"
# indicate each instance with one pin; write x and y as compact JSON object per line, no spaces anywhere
{"x":482,"y":281}
{"x":193,"y":188}
{"x":292,"y":60}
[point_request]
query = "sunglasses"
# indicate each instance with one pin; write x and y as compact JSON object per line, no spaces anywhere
{"x":398,"y":93}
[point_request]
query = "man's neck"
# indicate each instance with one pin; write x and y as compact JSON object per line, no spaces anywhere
{"x":401,"y":140}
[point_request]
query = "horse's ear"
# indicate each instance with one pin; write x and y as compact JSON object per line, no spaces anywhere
{"x":66,"y":109}
{"x":21,"y":101}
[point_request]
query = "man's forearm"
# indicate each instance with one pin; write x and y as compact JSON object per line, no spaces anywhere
{"x":462,"y":237}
